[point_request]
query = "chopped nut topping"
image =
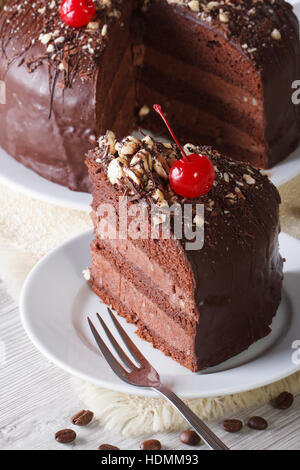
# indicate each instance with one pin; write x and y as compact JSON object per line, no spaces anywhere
{"x":141,"y":169}
{"x":226,"y":177}
{"x":239,"y":193}
{"x":224,"y":17}
{"x":144,"y":111}
{"x":104,"y":30}
{"x":93,"y":25}
{"x":194,"y":5}
{"x":276,"y":34}
{"x":198,"y":221}
{"x":115,"y":171}
{"x":212,"y":5}
{"x":249,"y":179}
{"x":159,"y":219}
{"x":86,"y":274}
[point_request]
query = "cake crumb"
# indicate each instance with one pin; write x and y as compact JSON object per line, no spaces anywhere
{"x":276,"y":34}
{"x":86,"y":274}
{"x":144,"y":111}
{"x":249,"y":179}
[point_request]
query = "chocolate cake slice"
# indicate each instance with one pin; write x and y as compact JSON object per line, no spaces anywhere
{"x":200,"y":306}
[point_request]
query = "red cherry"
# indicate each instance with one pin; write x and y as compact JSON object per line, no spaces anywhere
{"x":193,"y":175}
{"x":77,"y":13}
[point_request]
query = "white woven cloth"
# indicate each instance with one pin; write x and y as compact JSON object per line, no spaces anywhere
{"x":29,"y":229}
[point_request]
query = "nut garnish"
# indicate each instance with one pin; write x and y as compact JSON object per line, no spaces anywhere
{"x":130,"y":146}
{"x":141,"y":169}
{"x":212,"y":5}
{"x":115,"y":171}
{"x":223,"y":17}
{"x":198,"y":221}
{"x":144,"y":111}
{"x":104,"y":30}
{"x":276,"y":34}
{"x":226,"y":177}
{"x":194,"y":5}
{"x":249,"y":179}
{"x":86,"y":274}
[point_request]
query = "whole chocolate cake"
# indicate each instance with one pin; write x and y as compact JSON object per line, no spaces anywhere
{"x":226,"y":66}
{"x":200,"y":306}
{"x":64,"y":85}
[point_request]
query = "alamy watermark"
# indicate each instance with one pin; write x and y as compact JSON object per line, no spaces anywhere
{"x":140,"y":222}
{"x":296,"y":93}
{"x":2,"y":92}
{"x":296,"y":352}
{"x":2,"y":353}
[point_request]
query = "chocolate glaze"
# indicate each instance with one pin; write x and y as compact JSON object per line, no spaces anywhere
{"x":92,"y":81}
{"x":233,"y":284}
{"x":52,"y":116}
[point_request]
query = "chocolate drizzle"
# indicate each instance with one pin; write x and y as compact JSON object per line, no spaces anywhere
{"x":34,"y":29}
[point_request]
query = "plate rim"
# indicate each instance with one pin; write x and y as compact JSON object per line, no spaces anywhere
{"x":119,"y":385}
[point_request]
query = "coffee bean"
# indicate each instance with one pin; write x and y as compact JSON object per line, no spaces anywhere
{"x":256,"y":422}
{"x":190,"y":438}
{"x":152,"y":444}
{"x":107,"y":447}
{"x":82,"y":418}
{"x":65,"y":436}
{"x":284,"y":401}
{"x":232,"y":425}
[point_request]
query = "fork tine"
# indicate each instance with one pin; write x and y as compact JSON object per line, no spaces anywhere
{"x":129,"y":343}
{"x":117,"y":347}
{"x":114,"y":364}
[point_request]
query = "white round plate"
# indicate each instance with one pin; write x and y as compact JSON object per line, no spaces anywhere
{"x":20,"y":178}
{"x":56,"y":301}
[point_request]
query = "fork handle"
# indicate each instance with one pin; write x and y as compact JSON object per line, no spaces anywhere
{"x":200,"y":427}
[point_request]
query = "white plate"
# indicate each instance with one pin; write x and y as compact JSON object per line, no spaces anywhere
{"x":56,"y":301}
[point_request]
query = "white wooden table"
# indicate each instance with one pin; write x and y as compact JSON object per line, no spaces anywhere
{"x":37,"y":399}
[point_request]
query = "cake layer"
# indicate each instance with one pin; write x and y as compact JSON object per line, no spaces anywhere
{"x":118,"y":290}
{"x":134,"y":260}
{"x":207,"y":126}
{"x":247,"y":118}
{"x":153,"y":337}
{"x":198,"y":83}
{"x":262,"y":133}
{"x":169,"y":302}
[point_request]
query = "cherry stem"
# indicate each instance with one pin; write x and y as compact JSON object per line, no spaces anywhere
{"x":157,"y":108}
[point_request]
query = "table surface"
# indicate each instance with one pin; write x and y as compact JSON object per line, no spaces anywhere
{"x":37,"y":399}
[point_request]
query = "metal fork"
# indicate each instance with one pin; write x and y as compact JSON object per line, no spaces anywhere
{"x":146,"y":376}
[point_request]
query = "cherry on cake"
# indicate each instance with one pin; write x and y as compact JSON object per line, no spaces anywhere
{"x":223,"y":70}
{"x":200,"y":306}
